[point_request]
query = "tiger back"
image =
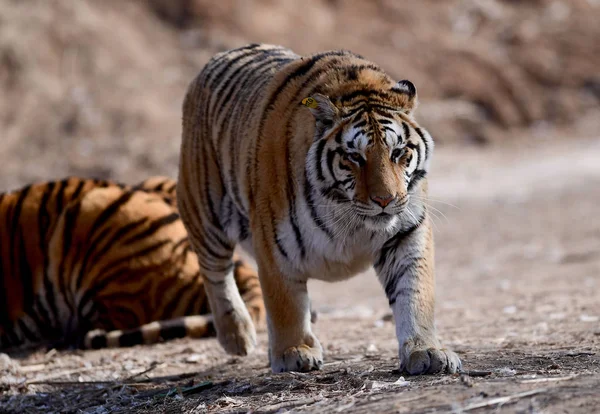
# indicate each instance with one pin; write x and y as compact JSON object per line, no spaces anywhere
{"x":28,"y":218}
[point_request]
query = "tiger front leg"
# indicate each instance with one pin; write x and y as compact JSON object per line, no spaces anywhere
{"x":406,"y":270}
{"x":292,"y":345}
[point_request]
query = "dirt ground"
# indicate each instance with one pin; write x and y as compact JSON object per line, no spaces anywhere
{"x":511,"y":93}
{"x":518,"y":259}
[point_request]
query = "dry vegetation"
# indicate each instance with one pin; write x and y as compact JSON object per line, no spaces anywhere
{"x":95,"y":87}
{"x":510,"y":91}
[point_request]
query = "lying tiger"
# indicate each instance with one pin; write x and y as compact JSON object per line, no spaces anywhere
{"x":317,"y":165}
{"x":94,"y":264}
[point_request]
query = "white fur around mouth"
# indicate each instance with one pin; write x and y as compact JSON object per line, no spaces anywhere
{"x":380,"y":222}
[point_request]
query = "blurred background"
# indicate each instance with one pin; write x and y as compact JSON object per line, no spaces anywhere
{"x":95,"y":88}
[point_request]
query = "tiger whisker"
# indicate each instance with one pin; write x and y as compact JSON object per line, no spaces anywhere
{"x":433,"y":209}
{"x":433,"y":216}
{"x":336,"y":220}
{"x":420,"y":198}
{"x":345,"y":229}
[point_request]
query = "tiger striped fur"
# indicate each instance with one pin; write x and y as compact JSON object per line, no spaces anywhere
{"x":94,"y":263}
{"x":317,"y":165}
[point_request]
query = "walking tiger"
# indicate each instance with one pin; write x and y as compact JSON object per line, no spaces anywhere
{"x":318,"y":166}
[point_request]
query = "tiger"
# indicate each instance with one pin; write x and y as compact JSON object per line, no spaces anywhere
{"x":92,"y":263}
{"x":317,"y":166}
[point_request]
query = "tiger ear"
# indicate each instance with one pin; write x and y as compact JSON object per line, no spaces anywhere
{"x":409,"y":94}
{"x":324,"y":111}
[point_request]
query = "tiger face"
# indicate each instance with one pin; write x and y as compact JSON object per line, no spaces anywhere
{"x":369,"y":153}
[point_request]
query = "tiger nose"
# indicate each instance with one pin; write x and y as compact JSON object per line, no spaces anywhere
{"x":383,"y":201}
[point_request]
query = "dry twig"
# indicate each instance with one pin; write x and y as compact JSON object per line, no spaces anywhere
{"x":503,"y":400}
{"x":26,"y":369}
{"x":289,"y":404}
{"x":153,"y":366}
{"x":476,"y":373}
{"x":548,"y":379}
{"x":50,"y":379}
{"x":45,"y":382}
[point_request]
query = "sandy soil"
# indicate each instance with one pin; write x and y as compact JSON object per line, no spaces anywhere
{"x":518,"y":260}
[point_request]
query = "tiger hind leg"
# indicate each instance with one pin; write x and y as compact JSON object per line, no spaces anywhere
{"x":234,"y":326}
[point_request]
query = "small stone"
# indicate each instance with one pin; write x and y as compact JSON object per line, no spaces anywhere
{"x":371,"y":349}
{"x":506,"y":372}
{"x":381,"y":385}
{"x":467,"y":380}
{"x":509,"y":310}
{"x":588,"y":318}
{"x":7,"y":364}
{"x":195,"y":358}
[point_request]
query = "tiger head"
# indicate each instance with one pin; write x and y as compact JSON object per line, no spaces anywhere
{"x":369,"y":153}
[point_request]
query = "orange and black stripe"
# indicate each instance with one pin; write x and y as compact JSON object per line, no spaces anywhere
{"x":82,"y":255}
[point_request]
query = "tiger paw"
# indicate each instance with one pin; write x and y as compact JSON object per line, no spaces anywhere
{"x":236,"y":333}
{"x":430,"y":361}
{"x":298,"y":358}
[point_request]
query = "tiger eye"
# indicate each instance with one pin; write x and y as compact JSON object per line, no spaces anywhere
{"x":357,"y":158}
{"x":397,"y":153}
